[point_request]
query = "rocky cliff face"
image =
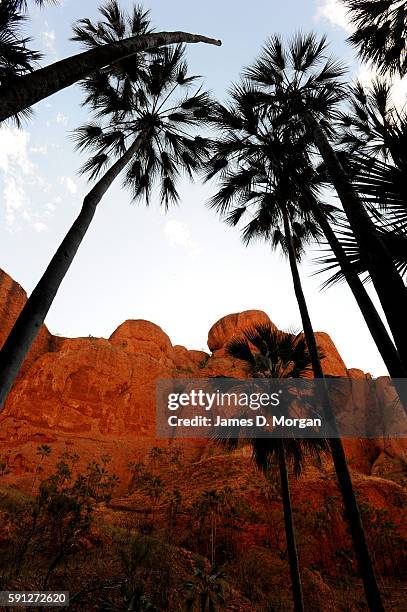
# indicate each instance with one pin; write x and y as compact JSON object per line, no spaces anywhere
{"x":97,"y":396}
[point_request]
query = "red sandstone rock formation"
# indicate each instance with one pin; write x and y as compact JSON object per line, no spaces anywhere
{"x":96,"y":396}
{"x":12,"y":300}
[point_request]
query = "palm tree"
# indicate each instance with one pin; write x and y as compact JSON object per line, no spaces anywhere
{"x":206,"y":589}
{"x":42,"y":451}
{"x":267,"y":175}
{"x":41,"y":83}
{"x":174,"y":500}
{"x":154,"y":488}
{"x":303,"y":86}
{"x":343,"y":256}
{"x":278,"y":354}
{"x":211,"y":502}
{"x":249,"y":134}
{"x":380,"y":33}
{"x":16,"y":59}
{"x":23,"y":4}
{"x":374,"y":133}
{"x":148,"y":127}
{"x":156,"y":455}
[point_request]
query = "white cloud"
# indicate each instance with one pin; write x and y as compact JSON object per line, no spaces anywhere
{"x":69,"y":184}
{"x":20,"y":176}
{"x":48,"y":39}
{"x":51,"y":207}
{"x":335,"y":12}
{"x":39,"y":226}
{"x":62,"y":119}
{"x":14,"y":150}
{"x":16,"y":165}
{"x":367,"y":74}
{"x":15,"y":198}
{"x":179,"y":235}
{"x":40,"y":150}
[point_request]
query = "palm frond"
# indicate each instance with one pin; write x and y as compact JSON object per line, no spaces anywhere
{"x":23,"y":4}
{"x":16,"y":59}
{"x":373,"y":126}
{"x":309,"y":79}
{"x":87,"y":136}
{"x":394,"y":239}
{"x":269,"y":67}
{"x":240,"y":349}
{"x":151,"y":97}
{"x":384,"y":188}
{"x":271,"y":353}
{"x":95,"y":165}
{"x":380,"y":33}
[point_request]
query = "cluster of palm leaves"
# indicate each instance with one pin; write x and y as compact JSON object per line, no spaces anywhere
{"x":380,"y":32}
{"x":293,"y":137}
{"x":15,"y":58}
{"x":374,"y":137}
{"x":17,"y":98}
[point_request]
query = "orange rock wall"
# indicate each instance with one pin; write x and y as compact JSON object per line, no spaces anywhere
{"x":96,"y":396}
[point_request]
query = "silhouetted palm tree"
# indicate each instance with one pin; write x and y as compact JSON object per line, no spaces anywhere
{"x":44,"y":82}
{"x":147,"y":127}
{"x":212,"y":502}
{"x":253,"y":147}
{"x":374,"y":133}
{"x":304,"y":86}
{"x":278,"y":354}
{"x":266,"y":176}
{"x":205,"y":592}
{"x":264,"y":163}
{"x":42,"y":451}
{"x":396,"y":241}
{"x":394,"y":237}
{"x":16,"y":59}
{"x":23,"y":4}
{"x":380,"y":32}
{"x":344,"y":257}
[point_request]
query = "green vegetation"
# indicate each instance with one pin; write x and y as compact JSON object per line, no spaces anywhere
{"x":203,"y":549}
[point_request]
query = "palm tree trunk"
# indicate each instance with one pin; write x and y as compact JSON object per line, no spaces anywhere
{"x":387,"y":281}
{"x":44,"y":82}
{"x":289,"y":531}
{"x":32,"y":316}
{"x":372,"y":318}
{"x":350,"y":503}
{"x":376,"y":326}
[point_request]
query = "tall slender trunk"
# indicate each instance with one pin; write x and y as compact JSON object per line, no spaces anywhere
{"x":289,"y":531}
{"x":40,"y":84}
{"x":376,"y":326}
{"x":373,"y":320}
{"x":350,"y":503}
{"x":28,"y":323}
{"x":387,"y":281}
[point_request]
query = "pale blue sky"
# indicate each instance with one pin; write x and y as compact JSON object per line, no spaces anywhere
{"x":183,"y":270}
